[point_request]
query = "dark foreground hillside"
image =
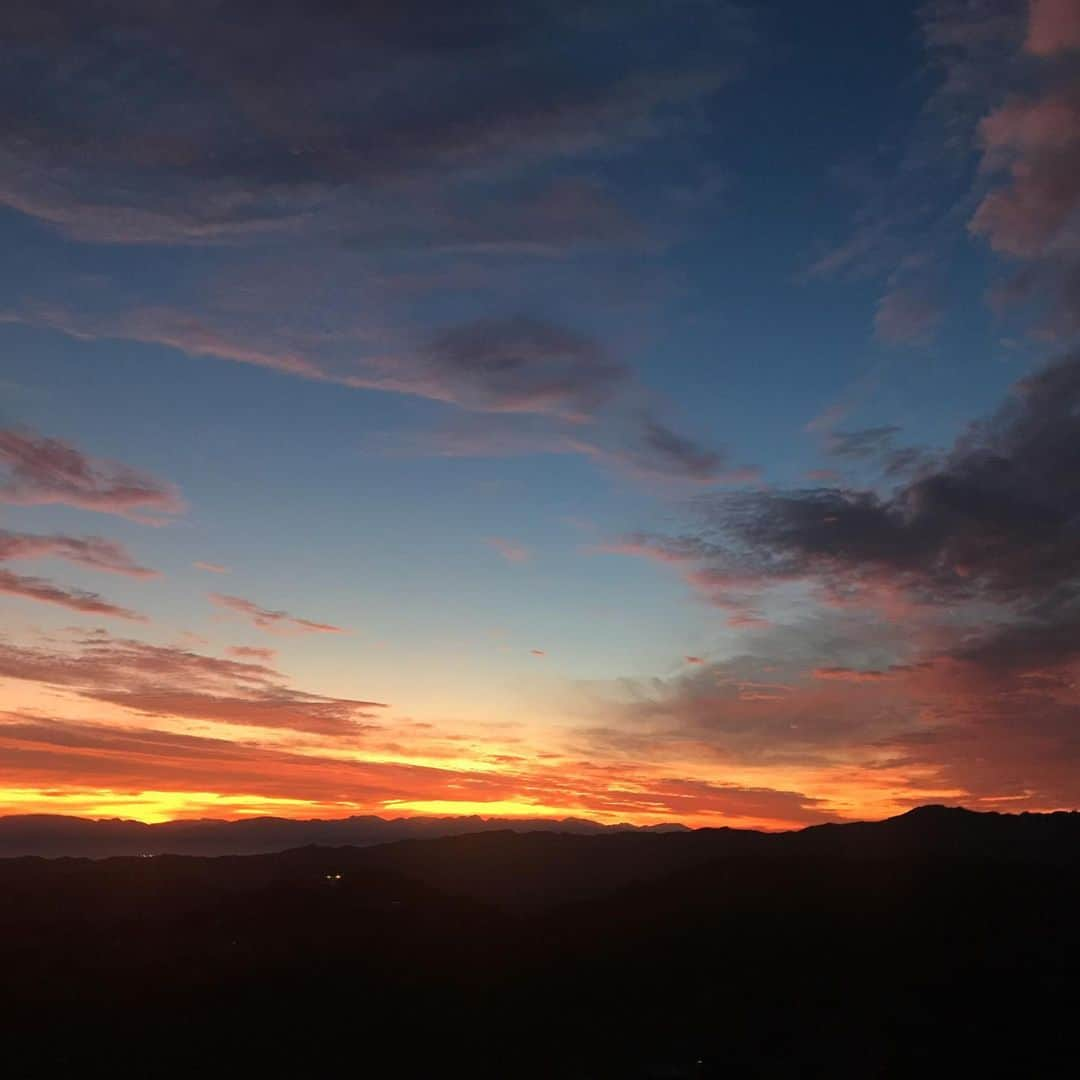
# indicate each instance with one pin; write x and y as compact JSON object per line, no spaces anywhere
{"x":887,"y":951}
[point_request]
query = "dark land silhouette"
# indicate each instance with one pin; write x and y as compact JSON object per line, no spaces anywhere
{"x":938,"y":943}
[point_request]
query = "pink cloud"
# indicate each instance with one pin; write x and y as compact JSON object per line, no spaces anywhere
{"x":1038,"y":141}
{"x":538,"y":652}
{"x":510,"y":551}
{"x":693,"y":660}
{"x":34,"y":588}
{"x":165,"y":681}
{"x":1031,"y":125}
{"x":1054,"y":26}
{"x":210,"y":567}
{"x":42,"y":470}
{"x":274,"y":621}
{"x":92,"y":551}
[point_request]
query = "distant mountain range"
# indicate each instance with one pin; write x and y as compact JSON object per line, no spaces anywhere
{"x":56,"y":835}
{"x":927,"y":830}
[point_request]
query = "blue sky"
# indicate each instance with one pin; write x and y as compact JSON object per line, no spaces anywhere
{"x":495,"y":342}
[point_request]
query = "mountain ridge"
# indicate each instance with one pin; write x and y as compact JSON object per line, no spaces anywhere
{"x":933,"y":828}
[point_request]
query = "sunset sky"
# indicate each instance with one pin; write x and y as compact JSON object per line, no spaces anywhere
{"x":642,"y":412}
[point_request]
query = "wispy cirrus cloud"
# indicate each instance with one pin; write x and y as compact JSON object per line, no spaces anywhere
{"x":171,"y":682}
{"x":210,"y":567}
{"x":577,"y":398}
{"x":914,"y":196}
{"x":41,"y":470}
{"x":274,"y":621}
{"x":91,"y":551}
{"x":47,"y":592}
{"x":907,"y":314}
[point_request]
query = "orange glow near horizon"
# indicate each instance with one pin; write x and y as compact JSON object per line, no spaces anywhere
{"x":155,"y":806}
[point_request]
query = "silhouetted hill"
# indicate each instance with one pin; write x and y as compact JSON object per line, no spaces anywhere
{"x":938,"y":943}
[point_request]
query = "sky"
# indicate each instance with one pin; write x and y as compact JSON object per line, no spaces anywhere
{"x":629,"y":411}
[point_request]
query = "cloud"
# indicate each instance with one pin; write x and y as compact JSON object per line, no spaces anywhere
{"x":911,"y":196}
{"x":1054,"y":27}
{"x":866,"y":443}
{"x":91,"y":551}
{"x":718,"y":581}
{"x":843,"y":674}
{"x":252,"y":652}
{"x":677,"y":454}
{"x":538,"y":652}
{"x":275,"y":621}
{"x":509,"y":550}
{"x":764,"y":707}
{"x":648,"y":449}
{"x":1039,"y":142}
{"x":366,"y":107}
{"x":519,"y":365}
{"x":89,"y":603}
{"x":693,"y":660}
{"x":1031,"y":152}
{"x":42,"y":470}
{"x":568,"y":394}
{"x":993,"y":519}
{"x":931,"y":638}
{"x":907,"y":315}
{"x":210,"y":567}
{"x":110,"y":761}
{"x":164,"y":681}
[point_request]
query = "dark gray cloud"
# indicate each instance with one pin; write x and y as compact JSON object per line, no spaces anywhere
{"x":996,"y":518}
{"x":521,"y":365}
{"x":192,"y":121}
{"x":675,"y":453}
